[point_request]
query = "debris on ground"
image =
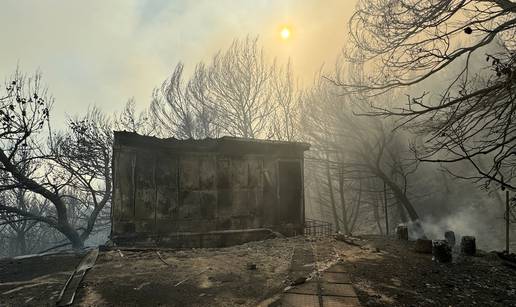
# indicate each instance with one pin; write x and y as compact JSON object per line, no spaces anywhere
{"x":423,"y":246}
{"x":242,"y":275}
{"x":35,"y":281}
{"x":383,"y":271}
{"x":401,"y":277}
{"x":299,"y":280}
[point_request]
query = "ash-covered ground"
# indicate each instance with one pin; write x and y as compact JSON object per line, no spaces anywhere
{"x":384,"y":272}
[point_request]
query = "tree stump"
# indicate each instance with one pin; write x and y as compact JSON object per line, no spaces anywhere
{"x":402,"y":232}
{"x":423,"y":246}
{"x":468,"y":246}
{"x":441,"y":251}
{"x":450,"y":237}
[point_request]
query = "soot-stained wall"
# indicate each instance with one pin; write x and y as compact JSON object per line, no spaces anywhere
{"x":169,"y":186}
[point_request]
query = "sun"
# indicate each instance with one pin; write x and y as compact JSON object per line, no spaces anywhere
{"x":285,"y":33}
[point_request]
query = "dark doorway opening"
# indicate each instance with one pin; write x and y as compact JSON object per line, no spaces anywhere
{"x":290,"y":189}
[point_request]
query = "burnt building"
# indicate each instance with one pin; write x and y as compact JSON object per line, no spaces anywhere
{"x":204,"y":193}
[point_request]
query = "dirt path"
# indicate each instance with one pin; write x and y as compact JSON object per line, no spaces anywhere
{"x":328,"y":283}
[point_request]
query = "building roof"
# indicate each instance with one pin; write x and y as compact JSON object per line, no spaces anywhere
{"x":223,"y":144}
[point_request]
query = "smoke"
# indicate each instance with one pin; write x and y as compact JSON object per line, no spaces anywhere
{"x":104,"y":53}
{"x":482,"y":221}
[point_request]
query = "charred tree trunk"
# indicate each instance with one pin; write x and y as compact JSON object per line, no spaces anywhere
{"x":356,"y":210}
{"x":343,"y":204}
{"x":402,"y":232}
{"x":321,"y":204}
{"x":62,"y":223}
{"x":332,"y":197}
{"x":376,"y":213}
{"x":21,"y":241}
{"x":401,"y":197}
{"x":385,"y":209}
{"x":401,"y":213}
{"x":398,"y":193}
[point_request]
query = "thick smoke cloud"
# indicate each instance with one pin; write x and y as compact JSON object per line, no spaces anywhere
{"x":103,"y":53}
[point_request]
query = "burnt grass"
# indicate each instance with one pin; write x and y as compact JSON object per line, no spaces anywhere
{"x":387,"y":272}
{"x":35,"y":281}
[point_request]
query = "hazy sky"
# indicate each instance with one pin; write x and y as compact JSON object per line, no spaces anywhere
{"x":104,"y":52}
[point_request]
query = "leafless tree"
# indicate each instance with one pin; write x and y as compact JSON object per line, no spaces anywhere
{"x":79,"y":158}
{"x":239,"y":93}
{"x":339,"y":196}
{"x":350,"y":212}
{"x":240,"y":81}
{"x":84,"y":152}
{"x":404,"y":43}
{"x":360,"y":148}
{"x":25,"y":111}
{"x":181,"y":109}
{"x":139,"y":122}
{"x":285,"y":122}
{"x":24,"y":235}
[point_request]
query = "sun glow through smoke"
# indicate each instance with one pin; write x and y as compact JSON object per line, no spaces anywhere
{"x":285,"y":33}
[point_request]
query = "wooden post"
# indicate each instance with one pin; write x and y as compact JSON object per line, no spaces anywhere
{"x":468,"y":246}
{"x":385,"y":208}
{"x":507,"y":221}
{"x":402,"y":232}
{"x":450,"y":237}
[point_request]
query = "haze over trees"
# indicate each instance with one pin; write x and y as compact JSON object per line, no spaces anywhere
{"x":420,"y":81}
{"x":241,"y":92}
{"x":364,"y":154}
{"x":470,"y":118}
{"x":68,"y":172}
